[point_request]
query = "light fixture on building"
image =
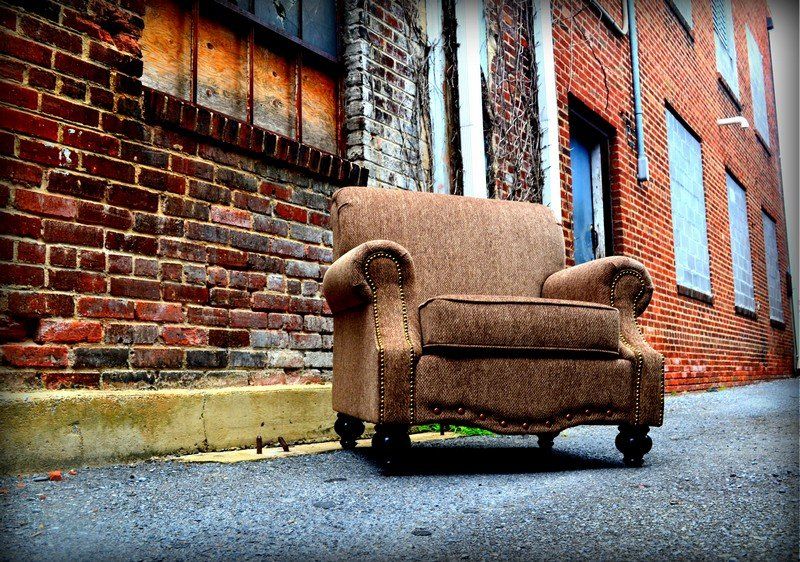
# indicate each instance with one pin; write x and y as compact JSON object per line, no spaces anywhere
{"x":734,"y":120}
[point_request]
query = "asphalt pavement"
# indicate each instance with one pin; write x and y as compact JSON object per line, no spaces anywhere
{"x":721,"y":483}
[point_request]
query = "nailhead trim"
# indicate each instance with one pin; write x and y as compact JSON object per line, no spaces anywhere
{"x":637,"y":353}
{"x":406,"y":332}
{"x":525,"y":425}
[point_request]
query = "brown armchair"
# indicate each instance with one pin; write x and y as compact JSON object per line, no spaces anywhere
{"x":459,"y":310}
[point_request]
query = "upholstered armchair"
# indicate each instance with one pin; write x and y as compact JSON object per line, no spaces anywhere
{"x":457,"y":310}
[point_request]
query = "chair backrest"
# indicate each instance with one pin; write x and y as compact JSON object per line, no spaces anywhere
{"x":460,"y":245}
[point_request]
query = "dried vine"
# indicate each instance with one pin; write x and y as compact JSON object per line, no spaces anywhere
{"x":511,"y":126}
{"x":516,"y":132}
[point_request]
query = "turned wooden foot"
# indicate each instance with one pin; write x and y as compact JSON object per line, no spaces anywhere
{"x":348,"y":429}
{"x":634,"y":443}
{"x":390,"y":442}
{"x":546,"y":440}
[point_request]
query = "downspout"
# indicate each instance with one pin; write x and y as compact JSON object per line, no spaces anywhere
{"x":793,"y":297}
{"x":628,"y":27}
{"x":642,"y":173}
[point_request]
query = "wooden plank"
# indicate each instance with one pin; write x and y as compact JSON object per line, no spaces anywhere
{"x":222,"y":69}
{"x":274,"y":89}
{"x":319,"y":105}
{"x":598,"y":205}
{"x":167,"y":47}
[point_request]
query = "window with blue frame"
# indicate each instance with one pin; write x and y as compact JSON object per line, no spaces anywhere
{"x":773,"y":269}
{"x":757,"y":88}
{"x":688,"y":207}
{"x":740,"y":246}
{"x":724,"y":42}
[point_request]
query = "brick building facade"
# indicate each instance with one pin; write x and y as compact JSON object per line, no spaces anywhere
{"x":167,"y":167}
{"x":706,"y":341}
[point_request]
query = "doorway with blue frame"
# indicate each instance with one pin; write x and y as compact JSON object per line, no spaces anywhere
{"x":591,"y":197}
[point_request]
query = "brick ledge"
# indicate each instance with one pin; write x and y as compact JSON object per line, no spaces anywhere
{"x":249,"y":138}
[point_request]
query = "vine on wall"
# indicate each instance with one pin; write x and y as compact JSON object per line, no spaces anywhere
{"x":511,"y":128}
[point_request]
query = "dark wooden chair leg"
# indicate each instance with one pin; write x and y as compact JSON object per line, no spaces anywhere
{"x":349,"y":429}
{"x":546,"y":440}
{"x":390,"y":442}
{"x":634,"y":443}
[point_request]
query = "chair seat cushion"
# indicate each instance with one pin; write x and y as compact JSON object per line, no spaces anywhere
{"x":514,"y":325}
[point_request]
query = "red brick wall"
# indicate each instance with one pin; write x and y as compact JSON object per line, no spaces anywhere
{"x":705,"y":344}
{"x":144,"y":241}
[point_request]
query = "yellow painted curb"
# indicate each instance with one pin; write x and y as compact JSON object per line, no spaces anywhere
{"x":49,"y":430}
{"x":250,"y":455}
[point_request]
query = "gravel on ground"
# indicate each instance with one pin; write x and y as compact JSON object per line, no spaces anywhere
{"x":721,"y":483}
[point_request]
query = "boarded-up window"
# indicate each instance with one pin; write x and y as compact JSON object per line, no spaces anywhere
{"x":723,"y":39}
{"x":272,"y":63}
{"x":757,"y":88}
{"x":773,"y":268}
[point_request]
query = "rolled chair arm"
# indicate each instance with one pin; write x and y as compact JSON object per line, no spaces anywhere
{"x":617,"y":281}
{"x":623,"y":283}
{"x":372,"y":293}
{"x":350,"y":283}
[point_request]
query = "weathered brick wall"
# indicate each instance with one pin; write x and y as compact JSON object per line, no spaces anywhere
{"x":705,"y":344}
{"x":386,"y":95}
{"x":145,"y":242}
{"x":383,"y":55}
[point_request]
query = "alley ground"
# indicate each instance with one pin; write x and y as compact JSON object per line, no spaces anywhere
{"x":720,"y":483}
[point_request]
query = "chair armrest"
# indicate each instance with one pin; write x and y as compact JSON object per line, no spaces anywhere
{"x":624,"y":284}
{"x":350,"y":282}
{"x":371,"y":292}
{"x":617,"y":281}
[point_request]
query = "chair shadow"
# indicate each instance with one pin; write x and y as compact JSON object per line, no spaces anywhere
{"x":488,"y":460}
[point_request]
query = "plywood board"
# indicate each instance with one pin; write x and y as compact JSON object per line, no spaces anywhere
{"x":274,"y":89}
{"x":320,"y":108}
{"x":167,"y":47}
{"x":222,"y":66}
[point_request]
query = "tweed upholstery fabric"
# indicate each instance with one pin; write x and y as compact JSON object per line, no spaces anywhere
{"x":460,"y":245}
{"x":592,"y":281}
{"x":376,"y":341}
{"x":624,"y":283}
{"x":494,"y":262}
{"x":547,"y":394}
{"x":491,"y":323}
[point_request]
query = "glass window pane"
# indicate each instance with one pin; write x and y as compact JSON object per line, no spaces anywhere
{"x":582,"y":216}
{"x":280,"y":14}
{"x":167,"y":47}
{"x":740,"y":245}
{"x":319,"y":24}
{"x":688,"y":207}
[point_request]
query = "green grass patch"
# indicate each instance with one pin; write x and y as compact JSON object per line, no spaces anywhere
{"x":460,"y":429}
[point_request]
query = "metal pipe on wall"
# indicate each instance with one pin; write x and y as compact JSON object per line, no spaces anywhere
{"x":642,"y":173}
{"x":628,"y":27}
